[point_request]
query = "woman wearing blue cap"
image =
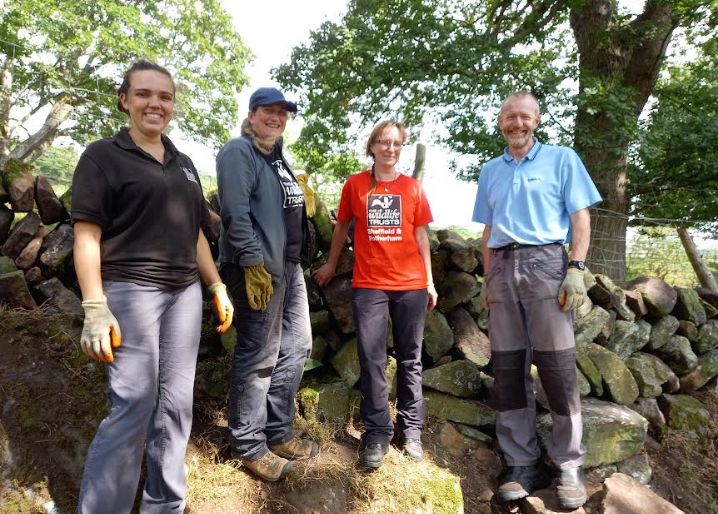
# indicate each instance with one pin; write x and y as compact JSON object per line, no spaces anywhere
{"x":263,"y":243}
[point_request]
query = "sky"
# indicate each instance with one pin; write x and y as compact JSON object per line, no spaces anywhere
{"x":271,"y":28}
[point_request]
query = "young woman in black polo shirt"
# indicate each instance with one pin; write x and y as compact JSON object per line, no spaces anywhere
{"x":139,"y":253}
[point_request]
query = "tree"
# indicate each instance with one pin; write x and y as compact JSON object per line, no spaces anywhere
{"x":57,"y":164}
{"x":64,"y":58}
{"x":452,"y":62}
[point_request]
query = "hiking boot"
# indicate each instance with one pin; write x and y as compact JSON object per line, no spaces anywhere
{"x":572,"y":488}
{"x":414,"y":449}
{"x":372,"y":456}
{"x":296,"y":449}
{"x":520,"y":481}
{"x":269,"y":467}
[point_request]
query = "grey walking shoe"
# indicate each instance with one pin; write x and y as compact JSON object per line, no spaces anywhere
{"x":520,"y":481}
{"x":571,"y":488}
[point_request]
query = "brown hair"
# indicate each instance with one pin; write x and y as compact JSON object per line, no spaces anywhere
{"x":374,"y":136}
{"x":141,"y":65}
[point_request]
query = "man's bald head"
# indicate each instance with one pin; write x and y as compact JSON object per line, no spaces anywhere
{"x":518,"y":95}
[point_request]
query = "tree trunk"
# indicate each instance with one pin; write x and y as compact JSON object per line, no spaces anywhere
{"x":705,"y":277}
{"x":420,"y":162}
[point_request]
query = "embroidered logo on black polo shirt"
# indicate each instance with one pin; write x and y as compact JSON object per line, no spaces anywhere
{"x":188,"y":173}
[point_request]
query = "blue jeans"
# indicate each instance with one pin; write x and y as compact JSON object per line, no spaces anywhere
{"x":150,"y":387}
{"x":272,"y":348}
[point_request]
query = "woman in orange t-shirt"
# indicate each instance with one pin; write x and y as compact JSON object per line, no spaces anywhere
{"x":392,"y":278}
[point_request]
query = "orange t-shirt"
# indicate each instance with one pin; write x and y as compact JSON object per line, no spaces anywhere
{"x":386,"y":253}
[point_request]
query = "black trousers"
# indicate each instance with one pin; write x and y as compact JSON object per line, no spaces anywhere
{"x":372,"y":309}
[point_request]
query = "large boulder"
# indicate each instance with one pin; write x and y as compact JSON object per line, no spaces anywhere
{"x":611,"y":433}
{"x":707,"y":337}
{"x":617,"y":378}
{"x":625,"y":495}
{"x":706,"y":369}
{"x":21,"y":234}
{"x":677,"y":353}
{"x":457,"y":287}
{"x":658,"y":297}
{"x":650,"y":373}
{"x":56,"y":250}
{"x":55,"y":294}
{"x":327,"y":402}
{"x":19,"y":182}
{"x":438,"y":337}
{"x":458,"y":378}
{"x":684,"y":412}
{"x":470,"y":342}
{"x":48,"y":204}
{"x":590,"y":326}
{"x":451,"y":408}
{"x":689,"y":307}
{"x":662,"y":331}
{"x":623,"y":341}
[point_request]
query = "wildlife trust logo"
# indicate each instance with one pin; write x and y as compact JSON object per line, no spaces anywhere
{"x":383,"y":211}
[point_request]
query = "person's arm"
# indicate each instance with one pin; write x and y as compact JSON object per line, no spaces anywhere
{"x":205,"y":264}
{"x":209,"y":276}
{"x":324,"y":274}
{"x":580,"y":234}
{"x":86,"y":254}
{"x":422,"y":241}
{"x":485,"y":252}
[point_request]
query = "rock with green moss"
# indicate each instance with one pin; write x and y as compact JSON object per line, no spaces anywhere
{"x":623,"y":339}
{"x":662,"y":331}
{"x":14,"y":291}
{"x":454,"y":442}
{"x":589,"y":370}
{"x":20,"y":235}
{"x":644,"y":334}
{"x":19,"y":182}
{"x":711,"y":312}
{"x":617,"y":378}
{"x":473,"y":433}
{"x":458,"y":378}
{"x":330,"y":402}
{"x":391,"y":376}
{"x":584,"y":386}
{"x":438,"y":337}
{"x":590,"y":326}
{"x":684,"y":412}
{"x":658,"y":297}
{"x":55,"y":294}
{"x":49,"y":205}
{"x":451,"y":408}
{"x":637,"y":467}
{"x":707,"y":337}
{"x":648,"y":408}
{"x":688,"y":330}
{"x":66,"y":200}
{"x":650,"y":373}
{"x":319,"y":321}
{"x":7,"y":265}
{"x":457,"y":287}
{"x":706,"y":369}
{"x":678,"y":354}
{"x":323,"y":224}
{"x":56,"y":250}
{"x":346,"y":362}
{"x":611,"y":433}
{"x":462,"y":254}
{"x":469,"y":341}
{"x":319,"y":348}
{"x":689,"y":307}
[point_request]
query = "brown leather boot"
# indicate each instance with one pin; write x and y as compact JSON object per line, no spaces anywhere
{"x":296,"y":449}
{"x":269,"y":467}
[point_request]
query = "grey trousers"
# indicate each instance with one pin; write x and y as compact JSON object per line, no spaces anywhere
{"x":272,"y":348}
{"x":150,"y":387}
{"x":372,"y":308}
{"x":526,"y":325}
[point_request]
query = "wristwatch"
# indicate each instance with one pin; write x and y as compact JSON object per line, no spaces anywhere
{"x":577,"y":264}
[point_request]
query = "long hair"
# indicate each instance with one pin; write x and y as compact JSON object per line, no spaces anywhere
{"x":374,"y":136}
{"x":141,"y":65}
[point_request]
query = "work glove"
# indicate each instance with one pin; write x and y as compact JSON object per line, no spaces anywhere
{"x":572,"y":292}
{"x":259,"y":286}
{"x":101,"y":331}
{"x":222,"y":306}
{"x":483,"y":296}
{"x":309,"y":201}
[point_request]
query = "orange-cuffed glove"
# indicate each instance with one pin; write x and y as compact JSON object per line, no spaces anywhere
{"x":572,"y":293}
{"x":309,"y":201}
{"x":100,"y":332}
{"x":222,"y":305}
{"x":258,"y":284}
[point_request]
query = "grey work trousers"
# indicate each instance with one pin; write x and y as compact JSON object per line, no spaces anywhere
{"x":372,"y":308}
{"x":150,"y":386}
{"x":272,"y":347}
{"x":526,"y":325}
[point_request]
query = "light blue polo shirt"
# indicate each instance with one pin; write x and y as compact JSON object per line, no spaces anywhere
{"x":530,"y":202}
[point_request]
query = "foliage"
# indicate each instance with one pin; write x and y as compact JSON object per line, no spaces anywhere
{"x":57,"y":164}
{"x":67,"y":57}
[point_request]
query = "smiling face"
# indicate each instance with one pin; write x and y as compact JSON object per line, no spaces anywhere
{"x":387,"y":147}
{"x":149,"y":101}
{"x":518,"y":119}
{"x":269,"y":121}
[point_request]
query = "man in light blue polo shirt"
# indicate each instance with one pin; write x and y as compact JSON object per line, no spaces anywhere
{"x":532,"y":199}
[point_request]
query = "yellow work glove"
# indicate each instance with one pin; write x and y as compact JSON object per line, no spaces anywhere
{"x":259,"y":286}
{"x":309,"y":202}
{"x":101,"y":331}
{"x":222,"y":306}
{"x":572,"y":292}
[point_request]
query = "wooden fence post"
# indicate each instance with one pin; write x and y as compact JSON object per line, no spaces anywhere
{"x":705,"y":277}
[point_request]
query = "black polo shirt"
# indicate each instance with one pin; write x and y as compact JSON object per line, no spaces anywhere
{"x":150,"y":213}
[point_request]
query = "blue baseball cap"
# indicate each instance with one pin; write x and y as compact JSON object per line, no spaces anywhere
{"x":269,"y":96}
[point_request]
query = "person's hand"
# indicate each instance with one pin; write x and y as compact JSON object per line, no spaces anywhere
{"x":324,"y":274}
{"x":222,"y":306}
{"x":259,"y":286}
{"x":432,"y":296}
{"x":572,"y":292}
{"x":100,"y":332}
{"x":309,"y":201}
{"x":483,"y":296}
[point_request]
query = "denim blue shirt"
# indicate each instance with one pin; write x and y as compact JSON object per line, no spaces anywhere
{"x":530,"y":202}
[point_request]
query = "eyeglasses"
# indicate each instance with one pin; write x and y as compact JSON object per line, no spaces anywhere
{"x":386,"y":144}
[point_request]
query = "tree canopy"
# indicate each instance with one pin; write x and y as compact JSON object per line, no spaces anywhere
{"x":64,"y":59}
{"x":591,"y":63}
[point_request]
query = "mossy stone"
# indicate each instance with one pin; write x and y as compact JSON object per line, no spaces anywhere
{"x":684,"y":412}
{"x":458,"y":378}
{"x":450,"y":408}
{"x":617,"y":378}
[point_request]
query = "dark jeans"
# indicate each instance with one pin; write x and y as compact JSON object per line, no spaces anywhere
{"x":372,"y":308}
{"x":272,"y":348}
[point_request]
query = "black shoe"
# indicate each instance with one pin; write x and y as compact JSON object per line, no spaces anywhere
{"x":372,"y":456}
{"x":572,"y":488}
{"x":414,"y":449}
{"x":520,"y":481}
